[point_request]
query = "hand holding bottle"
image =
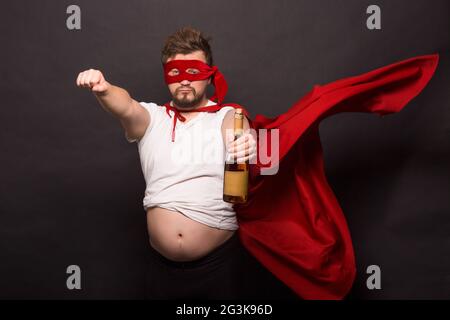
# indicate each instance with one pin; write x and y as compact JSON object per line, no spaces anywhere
{"x":243,"y":148}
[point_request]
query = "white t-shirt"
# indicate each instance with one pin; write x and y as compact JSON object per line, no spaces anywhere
{"x":186,"y":175}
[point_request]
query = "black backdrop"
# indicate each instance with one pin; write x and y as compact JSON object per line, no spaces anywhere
{"x":71,"y":186}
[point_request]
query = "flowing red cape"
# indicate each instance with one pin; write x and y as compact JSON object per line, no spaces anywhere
{"x":292,"y":223}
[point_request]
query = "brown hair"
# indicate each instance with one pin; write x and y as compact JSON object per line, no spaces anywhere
{"x":186,"y":40}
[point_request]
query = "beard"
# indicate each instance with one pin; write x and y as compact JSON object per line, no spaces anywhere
{"x":187,"y":100}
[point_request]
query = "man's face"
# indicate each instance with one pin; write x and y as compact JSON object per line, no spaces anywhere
{"x":188,"y":94}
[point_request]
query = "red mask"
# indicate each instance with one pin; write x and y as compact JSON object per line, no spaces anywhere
{"x":204,"y":72}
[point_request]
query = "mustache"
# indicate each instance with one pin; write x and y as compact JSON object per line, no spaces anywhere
{"x":185,"y":88}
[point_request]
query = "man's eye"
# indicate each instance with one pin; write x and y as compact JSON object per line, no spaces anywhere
{"x":192,"y":71}
{"x":173,"y":72}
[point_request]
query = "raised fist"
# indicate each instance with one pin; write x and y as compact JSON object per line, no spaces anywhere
{"x":92,"y":79}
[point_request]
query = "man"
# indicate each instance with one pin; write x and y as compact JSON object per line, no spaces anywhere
{"x":195,"y":249}
{"x":292,"y":224}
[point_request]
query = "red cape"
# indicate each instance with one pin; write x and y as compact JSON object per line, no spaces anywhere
{"x":292,"y":222}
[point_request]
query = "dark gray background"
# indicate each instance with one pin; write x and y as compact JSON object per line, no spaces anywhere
{"x":71,"y":186}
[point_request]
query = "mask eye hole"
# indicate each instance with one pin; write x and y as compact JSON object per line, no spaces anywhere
{"x":193,"y":71}
{"x":174,"y":72}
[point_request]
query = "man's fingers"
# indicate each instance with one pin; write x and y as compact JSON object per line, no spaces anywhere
{"x":97,"y":78}
{"x":246,"y":158}
{"x":78,"y":80}
{"x":245,"y":137}
{"x":244,"y":148}
{"x":241,"y":147}
{"x":245,"y":152}
{"x":94,"y":78}
{"x":89,"y":78}
{"x":243,"y":142}
{"x":81,"y":79}
{"x":84,"y":79}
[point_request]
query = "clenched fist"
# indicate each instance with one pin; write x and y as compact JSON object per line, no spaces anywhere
{"x":92,"y":79}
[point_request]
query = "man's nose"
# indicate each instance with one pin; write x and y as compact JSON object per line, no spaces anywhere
{"x":185,"y":82}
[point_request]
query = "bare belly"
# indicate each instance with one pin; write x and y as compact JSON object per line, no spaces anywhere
{"x":180,"y":238}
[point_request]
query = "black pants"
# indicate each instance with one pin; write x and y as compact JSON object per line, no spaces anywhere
{"x":228,"y":272}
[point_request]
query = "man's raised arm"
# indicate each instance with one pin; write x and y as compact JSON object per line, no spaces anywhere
{"x":117,"y":101}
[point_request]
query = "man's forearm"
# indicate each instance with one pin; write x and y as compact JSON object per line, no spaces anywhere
{"x":115,"y":100}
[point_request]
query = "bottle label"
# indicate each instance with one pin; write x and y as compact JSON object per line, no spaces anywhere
{"x":236,"y":183}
